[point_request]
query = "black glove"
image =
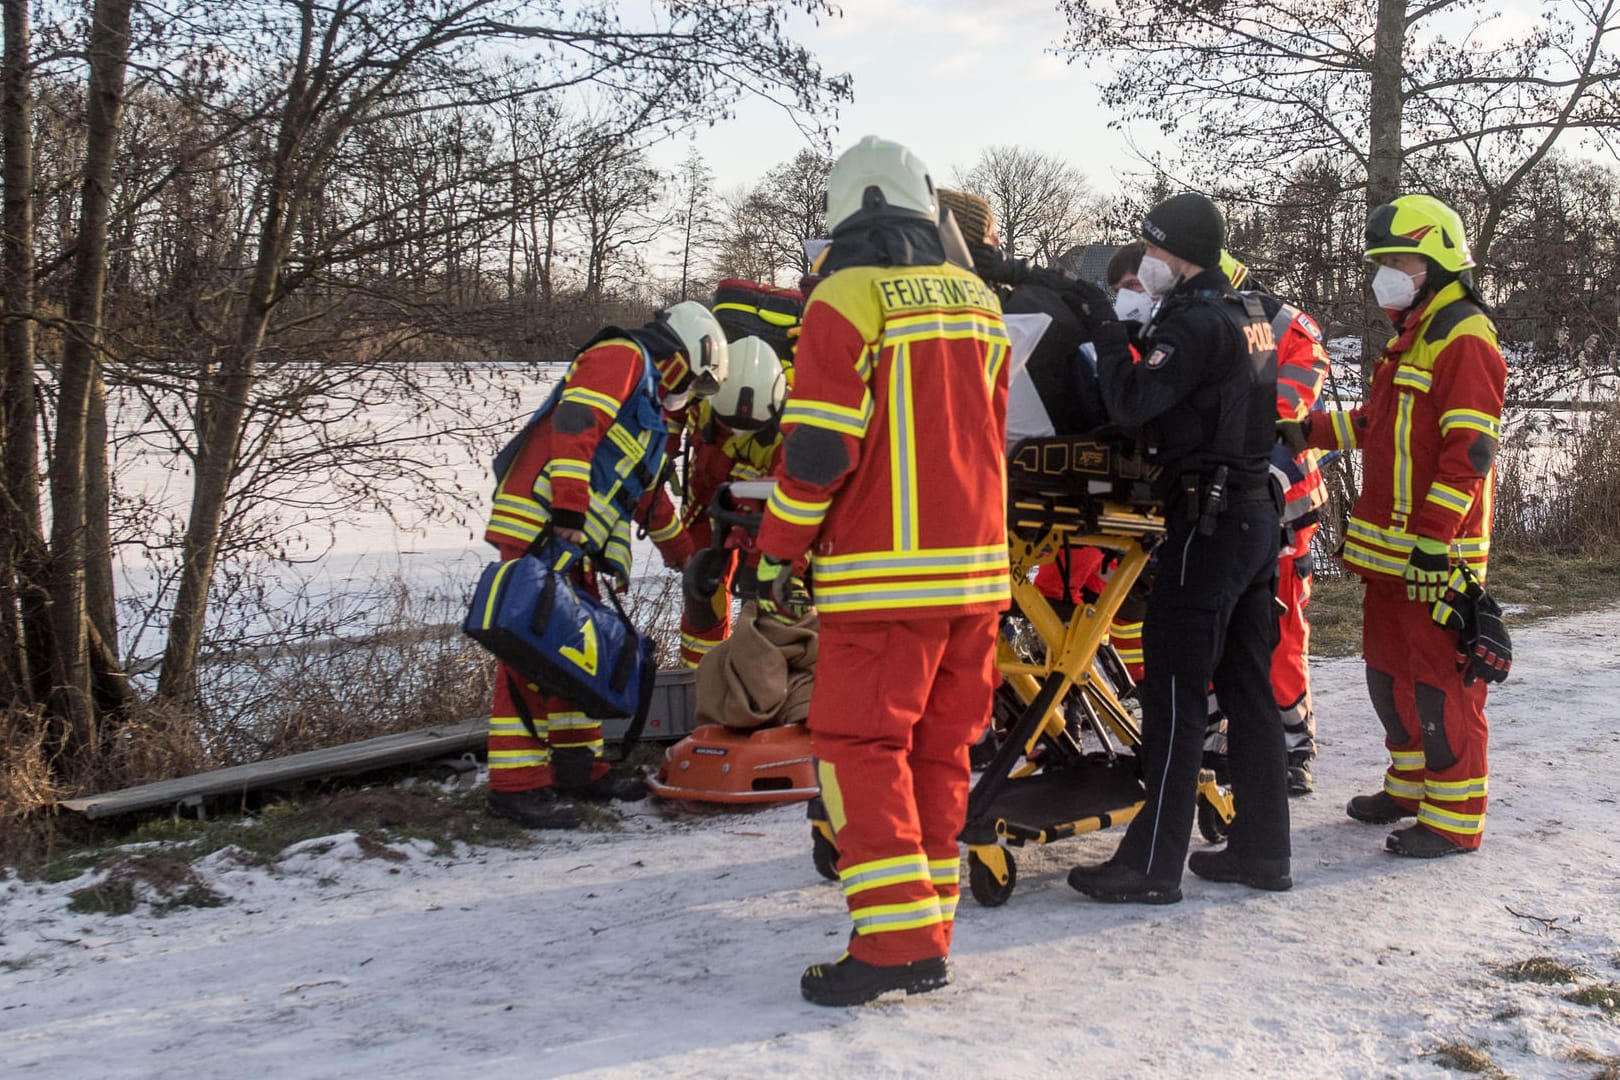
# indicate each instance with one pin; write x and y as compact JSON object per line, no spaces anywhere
{"x":1295,"y":434}
{"x":992,"y":264}
{"x":1089,"y":303}
{"x":701,"y":578}
{"x":1490,"y":651}
{"x":1112,"y":340}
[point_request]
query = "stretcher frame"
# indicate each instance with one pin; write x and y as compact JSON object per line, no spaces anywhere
{"x":1065,"y":493}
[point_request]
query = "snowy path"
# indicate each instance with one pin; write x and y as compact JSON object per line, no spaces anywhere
{"x":673,"y":946}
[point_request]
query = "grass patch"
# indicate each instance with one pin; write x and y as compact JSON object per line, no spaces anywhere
{"x":380,"y":816}
{"x":1465,"y":1057}
{"x":1608,"y":1067}
{"x":1548,"y":585}
{"x":1603,"y":996}
{"x":107,"y":898}
{"x":1546,"y":970}
{"x":164,"y":884}
{"x":1335,"y":613}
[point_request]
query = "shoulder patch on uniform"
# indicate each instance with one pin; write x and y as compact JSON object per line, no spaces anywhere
{"x":1160,"y":356}
{"x":1308,"y":324}
{"x":1449,"y":318}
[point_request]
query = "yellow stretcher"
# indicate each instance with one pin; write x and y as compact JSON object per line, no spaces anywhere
{"x":1042,"y":785}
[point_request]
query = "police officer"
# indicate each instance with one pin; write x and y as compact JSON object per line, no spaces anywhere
{"x":1203,"y":394}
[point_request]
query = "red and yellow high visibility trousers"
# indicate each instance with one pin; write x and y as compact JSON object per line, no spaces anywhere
{"x":1434,"y":726}
{"x":891,"y":734}
{"x":1290,"y":660}
{"x":518,"y":761}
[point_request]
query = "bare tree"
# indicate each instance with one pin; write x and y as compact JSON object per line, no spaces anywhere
{"x":791,"y":203}
{"x":1043,"y":205}
{"x":616,"y":213}
{"x":742,"y":245}
{"x":22,"y":542}
{"x":693,"y":200}
{"x":354,"y":65}
{"x":1255,"y":87}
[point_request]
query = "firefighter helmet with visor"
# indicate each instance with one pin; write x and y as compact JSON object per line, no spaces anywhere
{"x":879,"y":178}
{"x":1419,"y":225}
{"x":751,"y":395}
{"x":703,"y":342}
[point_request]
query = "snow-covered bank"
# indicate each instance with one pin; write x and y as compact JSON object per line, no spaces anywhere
{"x":673,"y":945}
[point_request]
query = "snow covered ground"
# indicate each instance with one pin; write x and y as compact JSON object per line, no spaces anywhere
{"x":672,"y":945}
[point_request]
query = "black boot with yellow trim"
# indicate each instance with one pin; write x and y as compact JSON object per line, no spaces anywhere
{"x":855,"y":982}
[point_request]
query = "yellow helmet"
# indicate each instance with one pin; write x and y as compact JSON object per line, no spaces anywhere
{"x":1419,"y":225}
{"x":1235,"y":271}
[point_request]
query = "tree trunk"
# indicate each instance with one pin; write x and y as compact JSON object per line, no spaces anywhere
{"x":222,"y":400}
{"x":71,"y":701}
{"x":23,"y":620}
{"x":1384,"y":151}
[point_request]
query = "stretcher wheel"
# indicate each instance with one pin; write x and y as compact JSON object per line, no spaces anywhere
{"x":824,"y":854}
{"x":1211,"y":826}
{"x":983,"y":884}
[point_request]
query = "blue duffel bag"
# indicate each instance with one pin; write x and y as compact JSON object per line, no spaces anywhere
{"x":533,"y":614}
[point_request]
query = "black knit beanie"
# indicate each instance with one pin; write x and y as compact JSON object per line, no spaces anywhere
{"x":1188,"y":226}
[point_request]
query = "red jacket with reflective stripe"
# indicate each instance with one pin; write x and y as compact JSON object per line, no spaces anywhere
{"x":1302,"y":368}
{"x":893,"y":473}
{"x":552,"y":470}
{"x":1428,"y":434}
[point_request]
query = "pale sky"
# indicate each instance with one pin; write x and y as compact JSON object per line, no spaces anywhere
{"x":946,"y":77}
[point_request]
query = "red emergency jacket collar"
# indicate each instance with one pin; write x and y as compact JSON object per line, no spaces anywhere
{"x":1418,"y":317}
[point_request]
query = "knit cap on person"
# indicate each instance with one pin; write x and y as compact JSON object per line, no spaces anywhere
{"x":1188,"y":226}
{"x":973,"y":215}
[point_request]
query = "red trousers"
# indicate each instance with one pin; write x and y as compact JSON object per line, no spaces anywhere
{"x":1434,"y":726}
{"x":1290,"y":660}
{"x":896,"y":706}
{"x":518,"y":761}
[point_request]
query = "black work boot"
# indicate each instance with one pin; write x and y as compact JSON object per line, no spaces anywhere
{"x":1269,"y":874}
{"x":1116,"y":883}
{"x":573,"y":768}
{"x":1300,"y":781}
{"x":1379,"y":808}
{"x":1421,"y":842}
{"x":537,"y":808}
{"x":855,"y":982}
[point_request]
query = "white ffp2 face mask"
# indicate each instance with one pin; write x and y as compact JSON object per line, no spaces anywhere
{"x":1133,"y":306}
{"x":1394,"y":289}
{"x":1156,"y":276}
{"x":674,"y":403}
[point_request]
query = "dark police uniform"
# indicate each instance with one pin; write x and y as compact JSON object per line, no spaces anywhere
{"x":1204,"y":396}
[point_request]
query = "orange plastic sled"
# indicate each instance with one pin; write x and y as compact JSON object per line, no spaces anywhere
{"x":723,"y":765}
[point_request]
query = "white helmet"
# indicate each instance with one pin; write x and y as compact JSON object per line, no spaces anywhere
{"x":752,"y":393}
{"x":882,"y":176}
{"x":703,"y":342}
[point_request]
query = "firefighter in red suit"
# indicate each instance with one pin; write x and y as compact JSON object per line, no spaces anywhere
{"x":1428,"y":435}
{"x":892,"y":481}
{"x":1302,"y":368}
{"x":734,"y":436}
{"x":541,"y":746}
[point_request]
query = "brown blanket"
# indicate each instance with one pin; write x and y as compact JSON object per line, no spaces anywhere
{"x":761,"y":674}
